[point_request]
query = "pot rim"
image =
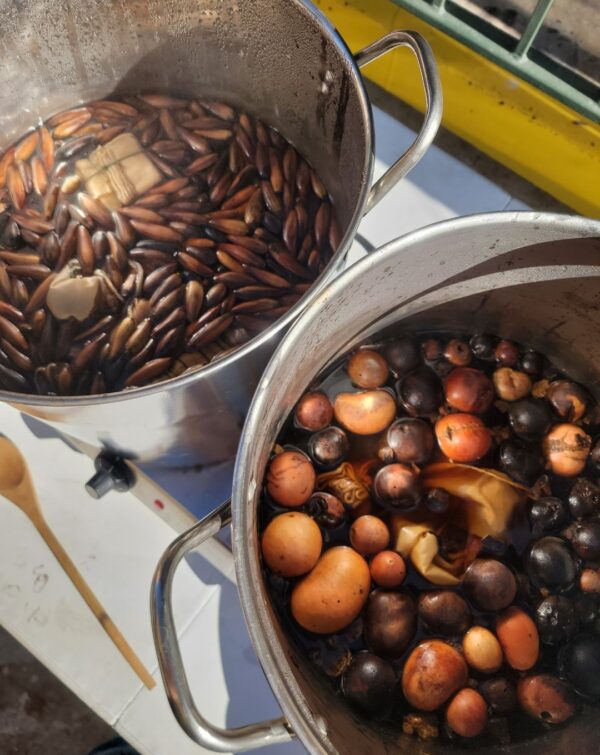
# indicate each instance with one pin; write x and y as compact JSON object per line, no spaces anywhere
{"x":317,"y":17}
{"x":255,"y":603}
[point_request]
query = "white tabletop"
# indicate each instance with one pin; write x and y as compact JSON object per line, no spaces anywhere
{"x":117,"y":541}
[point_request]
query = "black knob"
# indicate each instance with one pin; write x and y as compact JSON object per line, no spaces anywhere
{"x":112,"y":473}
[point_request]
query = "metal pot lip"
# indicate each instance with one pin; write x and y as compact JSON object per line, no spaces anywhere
{"x":279,"y":326}
{"x":253,"y":599}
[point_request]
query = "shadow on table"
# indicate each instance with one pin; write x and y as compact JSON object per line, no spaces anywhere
{"x":250,"y":697}
{"x":443,"y":178}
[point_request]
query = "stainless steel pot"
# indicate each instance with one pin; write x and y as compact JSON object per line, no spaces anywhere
{"x":280,"y":59}
{"x":533,"y":277}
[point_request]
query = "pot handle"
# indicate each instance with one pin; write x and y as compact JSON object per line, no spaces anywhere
{"x":170,"y":662}
{"x":433,"y":105}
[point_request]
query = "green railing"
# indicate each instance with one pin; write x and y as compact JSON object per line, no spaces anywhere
{"x":512,"y":51}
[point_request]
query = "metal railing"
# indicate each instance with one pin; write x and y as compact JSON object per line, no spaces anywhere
{"x":513,"y":51}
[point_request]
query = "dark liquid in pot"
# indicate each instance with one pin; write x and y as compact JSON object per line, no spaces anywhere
{"x":547,"y":555}
{"x":148,"y":235}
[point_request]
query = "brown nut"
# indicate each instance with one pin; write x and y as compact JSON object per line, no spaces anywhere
{"x":511,"y":385}
{"x":589,"y":581}
{"x":482,"y":650}
{"x":291,"y":544}
{"x":433,"y":672}
{"x":457,"y":352}
{"x":326,"y":509}
{"x":463,"y":437}
{"x":506,"y":353}
{"x":388,"y":569}
{"x":467,"y":713}
{"x":390,"y":623}
{"x":365,"y":412}
{"x":313,"y":412}
{"x":444,"y":612}
{"x":291,"y":478}
{"x":489,"y":584}
{"x":367,"y":369}
{"x":569,"y":400}
{"x":332,"y":595}
{"x":566,"y":448}
{"x":410,"y":441}
{"x":397,"y":487}
{"x":546,"y":698}
{"x":519,"y":638}
{"x":369,"y":535}
{"x":469,"y":390}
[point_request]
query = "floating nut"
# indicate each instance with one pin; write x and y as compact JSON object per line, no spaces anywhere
{"x":71,"y":295}
{"x":365,"y":412}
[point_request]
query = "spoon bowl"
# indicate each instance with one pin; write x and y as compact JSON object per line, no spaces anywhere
{"x":12,"y":467}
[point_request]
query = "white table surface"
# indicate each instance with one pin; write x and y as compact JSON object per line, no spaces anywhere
{"x":117,"y":541}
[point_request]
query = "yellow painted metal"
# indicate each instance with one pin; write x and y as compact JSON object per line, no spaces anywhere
{"x":518,"y":125}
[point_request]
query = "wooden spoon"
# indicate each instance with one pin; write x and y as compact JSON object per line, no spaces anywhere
{"x":17,"y":486}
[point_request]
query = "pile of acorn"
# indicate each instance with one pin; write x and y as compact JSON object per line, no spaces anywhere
{"x":513,"y":648}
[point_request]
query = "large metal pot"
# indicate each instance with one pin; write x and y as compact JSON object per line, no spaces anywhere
{"x":280,"y":59}
{"x":528,"y":276}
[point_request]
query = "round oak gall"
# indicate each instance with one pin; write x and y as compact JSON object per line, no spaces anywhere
{"x":469,"y":390}
{"x":327,"y":510}
{"x":519,"y":638}
{"x":313,"y":412}
{"x":506,"y":353}
{"x":500,"y":695}
{"x":463,"y":437}
{"x":530,"y":418}
{"x":579,"y":663}
{"x":411,"y":439}
{"x":290,"y":478}
{"x":467,"y":714}
{"x":420,"y":392}
{"x":397,"y":487}
{"x":433,"y":672}
{"x":402,"y":355}
{"x":390,"y":623}
{"x":444,"y":612}
{"x":368,"y":683}
{"x":569,"y":400}
{"x":511,"y":385}
{"x":550,"y":564}
{"x":489,"y":584}
{"x":483,"y":346}
{"x":546,"y":698}
{"x":328,"y":447}
{"x":457,"y":352}
{"x":482,"y":650}
{"x":367,"y":369}
{"x":388,"y":569}
{"x":291,"y":544}
{"x":566,"y":449}
{"x":556,"y":619}
{"x":369,"y":535}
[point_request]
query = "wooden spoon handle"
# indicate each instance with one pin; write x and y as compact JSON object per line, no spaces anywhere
{"x":97,"y":609}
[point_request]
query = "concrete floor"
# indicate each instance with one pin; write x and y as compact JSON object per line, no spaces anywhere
{"x":38,"y":715}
